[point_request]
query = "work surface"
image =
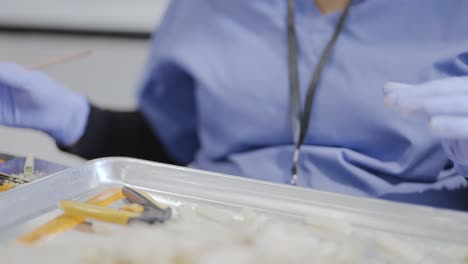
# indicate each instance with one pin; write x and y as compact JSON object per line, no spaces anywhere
{"x":109,"y":77}
{"x":223,"y":219}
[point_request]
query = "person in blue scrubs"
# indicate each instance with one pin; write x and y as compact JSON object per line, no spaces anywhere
{"x":389,"y":118}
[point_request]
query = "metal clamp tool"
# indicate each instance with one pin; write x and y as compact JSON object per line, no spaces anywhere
{"x":153,"y":212}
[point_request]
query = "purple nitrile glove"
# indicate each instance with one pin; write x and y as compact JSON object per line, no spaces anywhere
{"x":445,"y":104}
{"x":30,"y":99}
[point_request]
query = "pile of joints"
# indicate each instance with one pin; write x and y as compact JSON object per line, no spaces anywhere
{"x":201,"y":233}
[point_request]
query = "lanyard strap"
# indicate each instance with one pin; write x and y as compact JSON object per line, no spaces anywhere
{"x":299,"y":119}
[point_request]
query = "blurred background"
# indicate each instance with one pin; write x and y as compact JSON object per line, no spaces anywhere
{"x":117,"y":33}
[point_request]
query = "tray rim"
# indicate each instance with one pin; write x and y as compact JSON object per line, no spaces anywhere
{"x":440,"y":216}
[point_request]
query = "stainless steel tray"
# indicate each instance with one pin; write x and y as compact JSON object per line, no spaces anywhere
{"x":23,"y":208}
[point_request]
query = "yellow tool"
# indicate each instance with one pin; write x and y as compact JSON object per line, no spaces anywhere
{"x":5,"y":186}
{"x":97,"y":212}
{"x":66,"y":222}
{"x":152,"y":213}
{"x":136,"y":208}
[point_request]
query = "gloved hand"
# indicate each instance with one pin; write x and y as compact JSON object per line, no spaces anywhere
{"x":445,"y":104}
{"x":29,"y":99}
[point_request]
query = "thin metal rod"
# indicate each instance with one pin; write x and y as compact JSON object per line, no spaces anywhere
{"x":61,"y":59}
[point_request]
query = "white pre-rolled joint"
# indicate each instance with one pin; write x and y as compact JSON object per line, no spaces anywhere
{"x":28,"y":169}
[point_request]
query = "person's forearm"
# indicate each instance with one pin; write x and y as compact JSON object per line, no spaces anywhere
{"x":113,"y":133}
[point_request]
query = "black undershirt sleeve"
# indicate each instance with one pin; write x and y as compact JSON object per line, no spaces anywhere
{"x":114,"y":133}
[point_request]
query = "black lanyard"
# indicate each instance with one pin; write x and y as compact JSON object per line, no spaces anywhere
{"x":299,"y":119}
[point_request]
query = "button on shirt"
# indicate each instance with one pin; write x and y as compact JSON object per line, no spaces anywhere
{"x":216,"y":92}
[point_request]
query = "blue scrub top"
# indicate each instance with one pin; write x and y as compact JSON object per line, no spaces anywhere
{"x":216,"y":92}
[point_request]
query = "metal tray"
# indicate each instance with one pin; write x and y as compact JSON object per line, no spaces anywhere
{"x":27,"y":206}
{"x":15,"y":165}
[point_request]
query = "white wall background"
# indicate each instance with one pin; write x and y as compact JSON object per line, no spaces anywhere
{"x":110,"y":15}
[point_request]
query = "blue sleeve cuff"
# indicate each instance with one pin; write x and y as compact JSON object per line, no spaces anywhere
{"x":448,"y":147}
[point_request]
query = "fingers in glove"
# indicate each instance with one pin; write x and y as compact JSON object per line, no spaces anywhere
{"x":447,"y":105}
{"x":13,"y":75}
{"x":443,"y":87}
{"x":454,"y":127}
{"x":448,"y":96}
